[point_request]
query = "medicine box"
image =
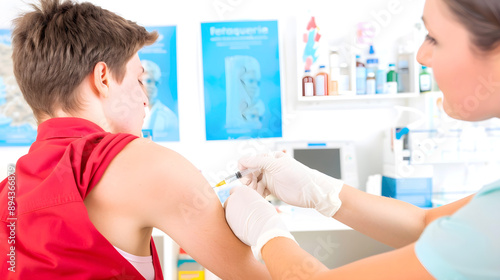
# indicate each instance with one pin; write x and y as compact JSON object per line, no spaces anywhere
{"x":190,"y":270}
{"x":417,"y":191}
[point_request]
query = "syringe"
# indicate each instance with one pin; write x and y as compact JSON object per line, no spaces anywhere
{"x":236,"y":176}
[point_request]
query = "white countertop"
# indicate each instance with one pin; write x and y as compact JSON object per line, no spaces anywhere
{"x":304,"y":219}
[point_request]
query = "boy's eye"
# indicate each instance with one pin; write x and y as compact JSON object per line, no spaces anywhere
{"x":140,"y":82}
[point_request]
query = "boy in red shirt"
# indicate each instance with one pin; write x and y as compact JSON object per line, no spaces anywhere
{"x":90,"y":182}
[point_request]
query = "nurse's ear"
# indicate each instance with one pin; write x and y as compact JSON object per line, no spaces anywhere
{"x":100,"y":79}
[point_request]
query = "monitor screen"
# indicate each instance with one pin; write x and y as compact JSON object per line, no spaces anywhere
{"x":324,"y":160}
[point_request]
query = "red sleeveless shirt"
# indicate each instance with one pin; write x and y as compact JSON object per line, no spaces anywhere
{"x":49,"y":234}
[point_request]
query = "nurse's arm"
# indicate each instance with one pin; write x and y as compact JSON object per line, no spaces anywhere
{"x":177,"y":199}
{"x":393,"y":222}
{"x":286,"y":260}
{"x":445,"y":210}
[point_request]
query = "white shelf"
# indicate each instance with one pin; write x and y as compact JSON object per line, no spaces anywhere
{"x":358,"y":97}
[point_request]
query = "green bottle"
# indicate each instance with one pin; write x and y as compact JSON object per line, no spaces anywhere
{"x":392,"y":79}
{"x":425,"y":80}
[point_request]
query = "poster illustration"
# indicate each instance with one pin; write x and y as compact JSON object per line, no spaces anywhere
{"x":160,"y":79}
{"x":17,"y":122}
{"x":241,"y":79}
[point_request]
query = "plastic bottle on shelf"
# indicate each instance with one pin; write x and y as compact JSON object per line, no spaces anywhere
{"x":403,"y":76}
{"x":404,"y":58}
{"x":371,"y":72}
{"x":360,"y":76}
{"x":334,"y":72}
{"x":392,"y":79}
{"x":345,"y":78}
{"x":308,"y":84}
{"x":371,"y":62}
{"x":371,"y":86}
{"x":381,"y":81}
{"x":333,"y":87}
{"x":425,"y":80}
{"x":321,"y":81}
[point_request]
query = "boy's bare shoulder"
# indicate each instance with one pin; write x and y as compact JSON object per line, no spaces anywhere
{"x":145,"y":149}
{"x":148,"y":164}
{"x":148,"y":156}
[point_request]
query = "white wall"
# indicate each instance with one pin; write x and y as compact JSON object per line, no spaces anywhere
{"x":360,"y":121}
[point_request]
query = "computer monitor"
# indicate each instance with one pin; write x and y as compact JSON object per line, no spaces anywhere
{"x":336,"y":159}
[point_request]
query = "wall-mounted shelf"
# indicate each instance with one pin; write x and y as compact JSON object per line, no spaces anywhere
{"x":358,"y":97}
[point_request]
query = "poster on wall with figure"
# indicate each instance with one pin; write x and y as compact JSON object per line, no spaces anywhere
{"x":241,"y":80}
{"x":160,"y":81}
{"x":17,"y":123}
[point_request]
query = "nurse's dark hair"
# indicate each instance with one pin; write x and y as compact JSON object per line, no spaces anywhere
{"x":481,"y":18}
{"x":57,"y":45}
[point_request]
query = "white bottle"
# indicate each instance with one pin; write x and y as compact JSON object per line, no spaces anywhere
{"x":371,"y":86}
{"x":344,"y":79}
{"x":334,"y":72}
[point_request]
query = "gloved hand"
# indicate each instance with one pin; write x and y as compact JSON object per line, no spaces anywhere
{"x":293,"y":182}
{"x":253,"y":219}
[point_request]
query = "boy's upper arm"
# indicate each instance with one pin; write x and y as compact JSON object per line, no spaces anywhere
{"x":174,"y":197}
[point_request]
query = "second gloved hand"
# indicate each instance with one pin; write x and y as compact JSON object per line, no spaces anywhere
{"x":294,"y":183}
{"x":253,"y":219}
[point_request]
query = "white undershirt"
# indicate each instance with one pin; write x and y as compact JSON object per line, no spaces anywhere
{"x":143,"y":264}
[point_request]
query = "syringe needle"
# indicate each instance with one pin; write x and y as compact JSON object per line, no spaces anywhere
{"x":237,"y":175}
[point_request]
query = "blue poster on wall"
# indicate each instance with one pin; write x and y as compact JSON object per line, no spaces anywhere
{"x":160,"y":79}
{"x":241,"y":78}
{"x":17,"y":123}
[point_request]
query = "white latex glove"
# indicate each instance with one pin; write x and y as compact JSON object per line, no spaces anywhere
{"x":253,"y":219}
{"x":293,"y":182}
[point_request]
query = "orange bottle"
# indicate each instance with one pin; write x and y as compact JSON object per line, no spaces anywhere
{"x":322,"y":82}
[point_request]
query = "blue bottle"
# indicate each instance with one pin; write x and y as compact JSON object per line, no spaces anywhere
{"x":372,"y":66}
{"x":371,"y":62}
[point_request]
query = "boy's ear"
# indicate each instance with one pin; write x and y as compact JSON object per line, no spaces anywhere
{"x":101,"y":79}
